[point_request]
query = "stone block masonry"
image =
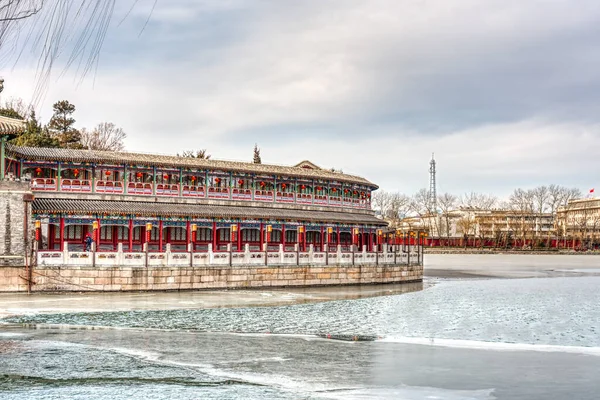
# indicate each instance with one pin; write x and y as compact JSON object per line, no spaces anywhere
{"x":123,"y":278}
{"x":15,"y":213}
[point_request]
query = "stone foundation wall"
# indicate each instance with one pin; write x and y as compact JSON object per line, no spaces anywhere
{"x":15,"y":212}
{"x":61,"y":279}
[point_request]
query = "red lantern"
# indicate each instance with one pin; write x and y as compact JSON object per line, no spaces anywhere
{"x":346,"y":190}
{"x":334,"y":190}
{"x":193,"y":178}
{"x":355,"y":192}
{"x":139,"y":174}
{"x":303,"y":187}
{"x":262,"y":184}
{"x":241,"y":182}
{"x":107,"y":173}
{"x":165,"y":176}
{"x":75,"y":172}
{"x":218,"y":180}
{"x":38,"y":170}
{"x":283,"y":186}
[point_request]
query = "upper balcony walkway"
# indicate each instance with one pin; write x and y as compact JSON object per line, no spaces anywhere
{"x":195,"y":192}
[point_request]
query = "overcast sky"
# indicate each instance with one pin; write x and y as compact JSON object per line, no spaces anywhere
{"x":505,"y":92}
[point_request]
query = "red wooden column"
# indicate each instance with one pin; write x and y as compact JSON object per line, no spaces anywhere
{"x":98,"y":235}
{"x":160,"y":236}
{"x":214,"y":232}
{"x":188,"y":231}
{"x":262,"y":236}
{"x":239,"y":237}
{"x":115,"y":236}
{"x":62,"y":233}
{"x":130,"y":235}
{"x":283,"y":236}
{"x":321,"y":247}
{"x":339,"y":239}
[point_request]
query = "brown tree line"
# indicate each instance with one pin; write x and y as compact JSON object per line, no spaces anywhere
{"x":407,"y":210}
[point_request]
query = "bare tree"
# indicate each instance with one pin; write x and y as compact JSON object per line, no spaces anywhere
{"x":398,"y":209}
{"x":106,"y":136}
{"x":447,"y":203}
{"x":202,"y":154}
{"x":478,"y":201}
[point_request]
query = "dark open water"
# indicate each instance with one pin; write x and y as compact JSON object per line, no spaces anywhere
{"x":466,"y":339}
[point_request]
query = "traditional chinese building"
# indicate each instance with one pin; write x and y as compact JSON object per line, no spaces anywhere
{"x":140,"y":200}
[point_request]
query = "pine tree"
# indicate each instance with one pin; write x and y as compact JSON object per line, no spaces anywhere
{"x":61,"y":126}
{"x":257,"y":159}
{"x":35,"y":135}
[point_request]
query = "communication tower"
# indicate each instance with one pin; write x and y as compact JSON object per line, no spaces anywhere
{"x":432,"y":191}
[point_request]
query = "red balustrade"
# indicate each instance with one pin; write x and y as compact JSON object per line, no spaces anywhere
{"x":75,"y":185}
{"x":241,"y":194}
{"x":320,"y":199}
{"x":347,"y":202}
{"x":263,"y":195}
{"x":139,"y":188}
{"x":167,"y":190}
{"x":109,"y":187}
{"x":335,"y":201}
{"x":43,"y":184}
{"x":193,"y":191}
{"x":218,"y":193}
{"x":302,"y":198}
{"x":283,"y":197}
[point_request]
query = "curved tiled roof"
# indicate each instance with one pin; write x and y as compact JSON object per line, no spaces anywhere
{"x":10,"y":126}
{"x":96,"y":156}
{"x":152,"y":209}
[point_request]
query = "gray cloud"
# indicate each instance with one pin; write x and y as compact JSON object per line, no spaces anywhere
{"x":505,"y":92}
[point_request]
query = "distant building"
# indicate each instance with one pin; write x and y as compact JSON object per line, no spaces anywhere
{"x":580,"y":219}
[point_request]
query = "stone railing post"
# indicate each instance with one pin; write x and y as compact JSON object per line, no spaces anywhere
{"x":145,"y":250}
{"x":297,"y":250}
{"x":364,"y":253}
{"x":229,"y":251}
{"x":339,"y":254}
{"x":246,"y":254}
{"x":281,"y":254}
{"x":190,"y":250}
{"x":311,"y":253}
{"x":265,"y":252}
{"x":120,"y":254}
{"x":211,"y":254}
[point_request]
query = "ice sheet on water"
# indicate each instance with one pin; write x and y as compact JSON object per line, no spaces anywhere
{"x":550,"y":311}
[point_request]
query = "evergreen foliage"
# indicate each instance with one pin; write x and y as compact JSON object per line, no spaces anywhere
{"x":61,"y":126}
{"x":256,"y":158}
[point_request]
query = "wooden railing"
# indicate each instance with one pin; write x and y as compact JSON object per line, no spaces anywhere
{"x":109,"y":187}
{"x":172,"y":190}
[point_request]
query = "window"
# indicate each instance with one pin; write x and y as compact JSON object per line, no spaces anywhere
{"x":122,"y":233}
{"x":291,"y":236}
{"x":250,"y":235}
{"x":106,"y":232}
{"x":313,"y":237}
{"x":72,"y":232}
{"x":276,"y":235}
{"x":204,"y":235}
{"x":177,"y":234}
{"x":224,"y":234}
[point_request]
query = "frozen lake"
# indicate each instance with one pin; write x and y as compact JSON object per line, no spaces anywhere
{"x":469,"y":335}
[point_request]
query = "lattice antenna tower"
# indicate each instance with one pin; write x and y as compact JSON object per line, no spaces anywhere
{"x":432,"y":186}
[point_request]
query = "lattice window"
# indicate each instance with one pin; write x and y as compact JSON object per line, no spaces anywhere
{"x":106,"y":232}
{"x":178,"y":234}
{"x":276,"y":235}
{"x":72,"y":232}
{"x":224,"y":235}
{"x":122,"y":233}
{"x":204,"y":235}
{"x":250,"y":235}
{"x":291,"y":236}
